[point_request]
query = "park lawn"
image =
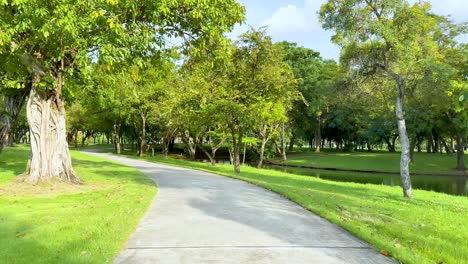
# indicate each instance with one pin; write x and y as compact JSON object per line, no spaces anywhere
{"x":430,"y":228}
{"x":66,"y":223}
{"x":376,"y":161}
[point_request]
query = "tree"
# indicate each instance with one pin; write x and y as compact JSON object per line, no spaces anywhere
{"x":272,"y":116}
{"x":256,"y":74}
{"x":316,"y":78}
{"x":388,"y":36}
{"x":57,"y":39}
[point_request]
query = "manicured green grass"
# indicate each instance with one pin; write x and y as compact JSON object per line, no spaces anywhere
{"x":70,"y":224}
{"x":431,"y":228}
{"x":377,"y":161}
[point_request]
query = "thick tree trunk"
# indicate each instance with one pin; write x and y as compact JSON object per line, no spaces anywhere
{"x":405,"y":146}
{"x":12,"y":105}
{"x":318,"y":134}
{"x":460,"y":152}
{"x":50,"y":158}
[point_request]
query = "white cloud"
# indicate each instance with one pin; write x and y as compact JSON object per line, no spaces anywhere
{"x":287,"y":19}
{"x":292,"y":18}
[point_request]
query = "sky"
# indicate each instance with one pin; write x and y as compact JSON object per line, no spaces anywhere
{"x":297,"y":21}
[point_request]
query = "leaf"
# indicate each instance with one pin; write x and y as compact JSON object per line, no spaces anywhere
{"x":384,"y":252}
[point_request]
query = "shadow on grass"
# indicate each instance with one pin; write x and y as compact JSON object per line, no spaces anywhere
{"x":13,"y":161}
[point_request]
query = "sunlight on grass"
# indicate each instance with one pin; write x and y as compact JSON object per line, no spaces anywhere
{"x":424,"y":162}
{"x":431,"y":228}
{"x":88,"y":225}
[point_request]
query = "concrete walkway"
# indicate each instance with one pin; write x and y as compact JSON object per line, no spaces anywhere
{"x":199,"y":217}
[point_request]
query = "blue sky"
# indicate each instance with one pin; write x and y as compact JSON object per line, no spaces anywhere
{"x":297,"y":21}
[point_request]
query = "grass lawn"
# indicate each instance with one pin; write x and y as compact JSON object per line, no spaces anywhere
{"x":66,"y":223}
{"x":431,"y":228}
{"x":378,"y":161}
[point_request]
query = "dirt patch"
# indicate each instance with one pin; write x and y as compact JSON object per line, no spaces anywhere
{"x":19,"y":188}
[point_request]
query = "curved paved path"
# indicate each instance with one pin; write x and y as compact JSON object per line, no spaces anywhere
{"x":198,"y":217}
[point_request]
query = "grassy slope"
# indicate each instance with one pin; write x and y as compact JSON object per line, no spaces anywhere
{"x":424,"y":162}
{"x":431,"y":228}
{"x":89,"y":226}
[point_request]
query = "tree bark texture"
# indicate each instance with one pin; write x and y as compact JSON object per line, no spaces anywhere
{"x":262,"y":152}
{"x":50,"y":158}
{"x":404,"y":141}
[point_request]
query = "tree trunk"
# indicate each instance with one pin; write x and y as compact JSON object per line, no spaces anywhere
{"x":318,"y":135}
{"x":283,"y":142}
{"x":435,"y":149}
{"x":12,"y":106}
{"x":404,"y":160}
{"x":243,"y":155}
{"x":460,"y":152}
{"x":390,"y":146}
{"x":190,"y":146}
{"x":166,"y":142}
{"x":86,"y":135}
{"x":445,"y":146}
{"x":50,"y":158}
{"x":429,"y":143}
{"x":117,"y":138}
{"x":262,"y":151}
{"x":142,"y":142}
{"x":210,"y":157}
{"x":237,"y":144}
{"x":215,"y":148}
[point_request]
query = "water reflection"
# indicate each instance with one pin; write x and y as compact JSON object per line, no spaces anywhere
{"x":457,"y":185}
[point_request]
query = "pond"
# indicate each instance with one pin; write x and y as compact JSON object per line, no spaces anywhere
{"x":455,"y":185}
